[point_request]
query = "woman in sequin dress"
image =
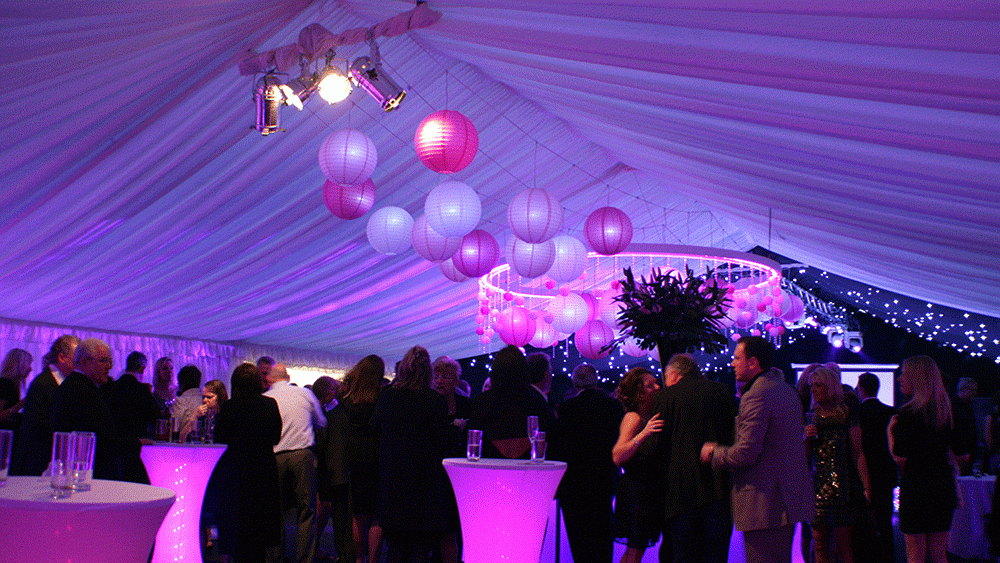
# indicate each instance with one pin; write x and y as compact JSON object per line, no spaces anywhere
{"x":834,"y":445}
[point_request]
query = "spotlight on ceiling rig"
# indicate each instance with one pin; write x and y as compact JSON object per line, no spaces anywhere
{"x":853,"y":341}
{"x":269,"y":95}
{"x":367,"y":72}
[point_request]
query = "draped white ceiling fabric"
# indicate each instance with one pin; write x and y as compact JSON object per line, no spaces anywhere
{"x":136,"y":195}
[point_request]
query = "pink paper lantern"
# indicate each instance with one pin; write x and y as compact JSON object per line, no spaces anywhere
{"x":349,"y":202}
{"x":446,"y":141}
{"x":389,"y":230}
{"x":570,"y":260}
{"x":632,"y":348}
{"x":534,"y":215}
{"x":609,"y":230}
{"x":592,"y":337}
{"x":429,"y":244}
{"x":545,"y":335}
{"x":569,"y":312}
{"x":448,"y":269}
{"x":477,"y":254}
{"x":515,"y":326}
{"x":530,"y":260}
{"x":347,"y":157}
{"x":794,"y":309}
{"x":592,"y":305}
{"x":453,"y":209}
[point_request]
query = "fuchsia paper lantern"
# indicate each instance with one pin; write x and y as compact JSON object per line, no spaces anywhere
{"x":570,"y":261}
{"x":569,"y":312}
{"x":530,"y":260}
{"x":389,"y":230}
{"x":477,"y":254}
{"x":452,"y":273}
{"x":347,"y":157}
{"x":453,"y":209}
{"x":593,"y":307}
{"x":349,"y":202}
{"x":545,"y":335}
{"x":794,"y":309}
{"x":592,"y":337}
{"x":609,"y":230}
{"x":446,"y":141}
{"x":515,"y":326}
{"x":534,"y":215}
{"x":429,"y":244}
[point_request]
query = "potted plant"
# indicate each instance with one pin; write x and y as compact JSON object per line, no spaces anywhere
{"x":673,"y":312}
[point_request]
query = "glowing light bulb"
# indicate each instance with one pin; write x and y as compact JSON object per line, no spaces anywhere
{"x":334,"y":87}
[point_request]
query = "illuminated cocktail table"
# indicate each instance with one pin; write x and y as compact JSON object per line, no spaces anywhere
{"x":503,"y":505}
{"x":184,"y":469}
{"x":113,"y":521}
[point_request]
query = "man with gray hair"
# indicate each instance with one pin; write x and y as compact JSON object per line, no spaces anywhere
{"x":301,"y":414}
{"x":588,"y":430}
{"x":78,"y":406}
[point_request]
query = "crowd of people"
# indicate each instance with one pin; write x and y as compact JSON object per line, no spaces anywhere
{"x":679,"y":461}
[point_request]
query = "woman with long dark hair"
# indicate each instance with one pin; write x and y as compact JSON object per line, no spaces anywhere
{"x":923,"y":444}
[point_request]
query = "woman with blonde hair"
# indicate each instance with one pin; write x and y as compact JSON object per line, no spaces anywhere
{"x":923,"y":444}
{"x":834,"y":448}
{"x":16,"y":369}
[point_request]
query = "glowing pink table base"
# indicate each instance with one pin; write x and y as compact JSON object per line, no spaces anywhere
{"x":184,"y":469}
{"x":503,"y":505}
{"x":113,"y":521}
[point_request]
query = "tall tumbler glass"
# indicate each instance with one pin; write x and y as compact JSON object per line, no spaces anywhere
{"x":6,"y":444}
{"x":61,"y":467}
{"x":83,"y":461}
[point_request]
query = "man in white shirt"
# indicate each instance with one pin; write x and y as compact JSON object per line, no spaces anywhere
{"x":300,"y":414}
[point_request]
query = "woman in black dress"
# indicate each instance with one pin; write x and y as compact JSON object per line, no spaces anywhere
{"x":637,"y":515}
{"x":922,"y":443}
{"x":359,"y":391}
{"x":416,"y":504}
{"x":250,"y":424}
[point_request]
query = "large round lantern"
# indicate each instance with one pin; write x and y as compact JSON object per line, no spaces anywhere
{"x":347,"y":157}
{"x":530,"y":260}
{"x":515,"y":326}
{"x":632,"y":348}
{"x":534,"y":215}
{"x":545,"y":335}
{"x":570,"y":261}
{"x":609,"y":230}
{"x":446,"y":141}
{"x":593,"y":307}
{"x":453,"y":209}
{"x":594,"y":336}
{"x":349,"y":202}
{"x":389,"y":230}
{"x":452,"y":273}
{"x":569,"y":312}
{"x":794,"y":309}
{"x":477,"y":254}
{"x":429,"y":244}
{"x":609,"y":309}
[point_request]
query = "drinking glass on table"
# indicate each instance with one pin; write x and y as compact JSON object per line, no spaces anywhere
{"x":6,"y":444}
{"x":61,"y":468}
{"x":538,"y":446}
{"x":532,"y":427}
{"x":83,"y":460}
{"x":475,"y":445}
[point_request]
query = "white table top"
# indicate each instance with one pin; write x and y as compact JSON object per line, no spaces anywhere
{"x":35,"y":493}
{"x":499,"y":463}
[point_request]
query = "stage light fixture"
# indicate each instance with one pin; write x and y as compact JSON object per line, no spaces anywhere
{"x":854,"y":341}
{"x":367,"y":72}
{"x":268,"y":99}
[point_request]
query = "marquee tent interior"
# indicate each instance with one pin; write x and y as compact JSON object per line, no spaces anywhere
{"x":860,"y":138}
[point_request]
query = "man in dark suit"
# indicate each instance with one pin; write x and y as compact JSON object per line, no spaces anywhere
{"x":874,"y":417}
{"x":79,"y":406}
{"x":697,"y":518}
{"x":33,"y":450}
{"x":134,"y":408}
{"x":332,"y":471}
{"x":588,"y":430}
{"x":772,"y":489}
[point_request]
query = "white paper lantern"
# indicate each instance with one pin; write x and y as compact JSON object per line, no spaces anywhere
{"x":429,"y":244}
{"x":632,"y":348}
{"x":570,"y":260}
{"x":389,"y":230}
{"x":530,"y":260}
{"x":569,"y":312}
{"x":347,"y":157}
{"x":453,"y":209}
{"x":545,"y":335}
{"x":452,"y":273}
{"x":534,"y":215}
